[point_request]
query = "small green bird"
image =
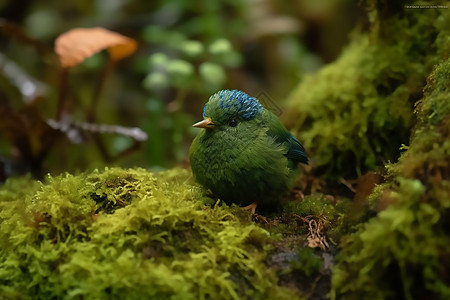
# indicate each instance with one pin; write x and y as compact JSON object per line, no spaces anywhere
{"x":244,"y":155}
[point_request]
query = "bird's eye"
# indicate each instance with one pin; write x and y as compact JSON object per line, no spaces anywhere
{"x":232,"y":123}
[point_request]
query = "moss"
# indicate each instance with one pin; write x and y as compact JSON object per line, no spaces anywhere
{"x":129,"y":234}
{"x":402,"y":253}
{"x":313,"y":205}
{"x":354,"y":114}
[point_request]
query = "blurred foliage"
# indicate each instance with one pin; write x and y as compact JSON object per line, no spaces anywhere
{"x":187,"y":50}
{"x":355,"y":113}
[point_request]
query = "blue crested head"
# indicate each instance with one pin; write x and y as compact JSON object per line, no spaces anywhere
{"x":226,"y":104}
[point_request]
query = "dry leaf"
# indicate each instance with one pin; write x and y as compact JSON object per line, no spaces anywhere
{"x":77,"y":44}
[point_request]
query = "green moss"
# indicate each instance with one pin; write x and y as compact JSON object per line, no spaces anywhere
{"x":355,"y":113}
{"x":17,"y":188}
{"x":374,"y":198}
{"x":315,"y":206}
{"x":402,"y":253}
{"x":129,"y":234}
{"x":312,"y":205}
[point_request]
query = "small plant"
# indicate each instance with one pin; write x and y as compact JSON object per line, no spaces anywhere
{"x":31,"y":131}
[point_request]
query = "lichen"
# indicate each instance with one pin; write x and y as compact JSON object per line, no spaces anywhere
{"x":354,"y":114}
{"x":129,"y":234}
{"x":402,"y":253}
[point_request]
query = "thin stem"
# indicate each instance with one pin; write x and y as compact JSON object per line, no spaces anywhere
{"x":109,"y":67}
{"x":91,"y":114}
{"x":62,"y":97}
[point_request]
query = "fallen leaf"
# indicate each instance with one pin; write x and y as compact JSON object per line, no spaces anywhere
{"x":75,"y":45}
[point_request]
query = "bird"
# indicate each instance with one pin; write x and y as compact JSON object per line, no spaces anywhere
{"x":243,"y":153}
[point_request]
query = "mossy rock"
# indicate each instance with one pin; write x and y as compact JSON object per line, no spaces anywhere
{"x":355,"y":113}
{"x":128,"y":234}
{"x":402,"y":253}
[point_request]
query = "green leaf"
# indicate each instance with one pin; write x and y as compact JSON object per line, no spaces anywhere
{"x":192,"y":48}
{"x":156,"y":81}
{"x":212,"y":74}
{"x":220,"y":46}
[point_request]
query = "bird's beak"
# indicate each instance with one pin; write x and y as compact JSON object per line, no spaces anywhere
{"x":206,"y":123}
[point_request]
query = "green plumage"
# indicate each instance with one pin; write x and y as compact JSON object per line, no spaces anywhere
{"x":244,"y":154}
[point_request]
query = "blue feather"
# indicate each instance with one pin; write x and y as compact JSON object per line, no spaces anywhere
{"x":233,"y":100}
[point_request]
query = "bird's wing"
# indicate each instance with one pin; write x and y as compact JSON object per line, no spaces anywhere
{"x":295,"y":152}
